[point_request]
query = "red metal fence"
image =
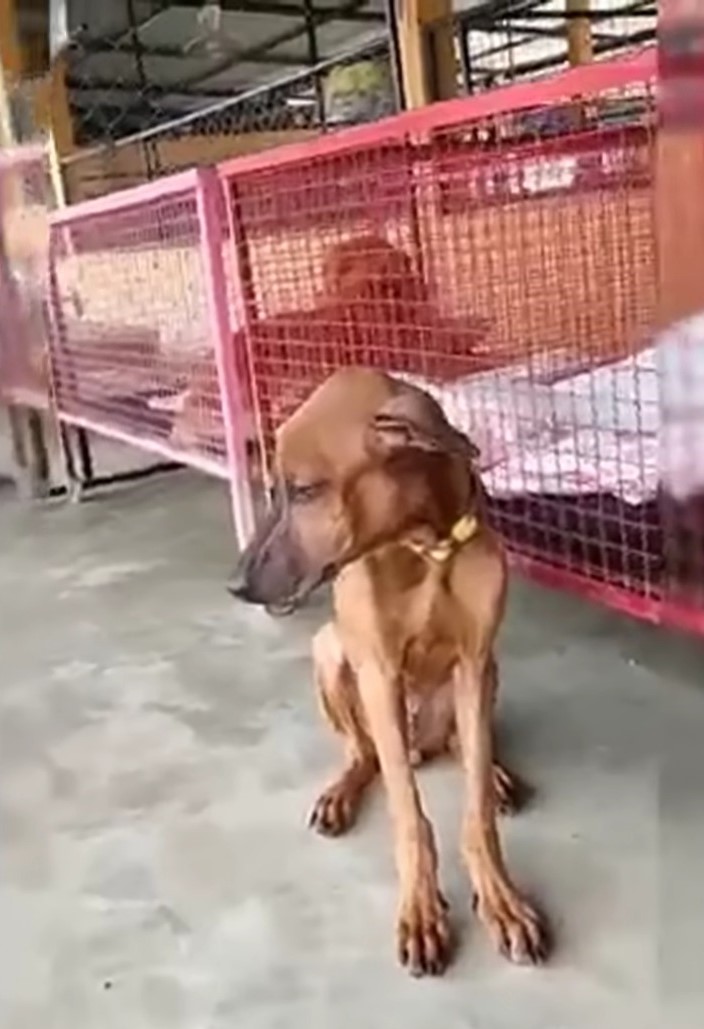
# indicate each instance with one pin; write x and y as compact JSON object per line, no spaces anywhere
{"x":499,"y":250}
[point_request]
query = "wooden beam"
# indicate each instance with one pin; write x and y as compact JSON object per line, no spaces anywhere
{"x":60,"y":119}
{"x":10,"y":50}
{"x":427,"y":44}
{"x":580,"y":45}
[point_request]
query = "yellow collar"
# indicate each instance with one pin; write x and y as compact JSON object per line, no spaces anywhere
{"x":461,"y":532}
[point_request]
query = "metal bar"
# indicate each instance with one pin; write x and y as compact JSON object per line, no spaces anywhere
{"x":100,"y":46}
{"x":293,"y":10}
{"x":625,"y":601}
{"x":533,"y":32}
{"x":485,"y":22}
{"x":286,"y":36}
{"x":142,"y":78}
{"x":69,"y":462}
{"x":465,"y":59}
{"x":117,"y":478}
{"x":493,"y":9}
{"x":511,"y":44}
{"x":171,"y":185}
{"x":496,"y":48}
{"x":85,"y":457}
{"x":200,"y":462}
{"x":245,"y":310}
{"x":16,"y":419}
{"x":136,"y":47}
{"x":232,"y":392}
{"x":56,"y":327}
{"x":600,"y":47}
{"x":136,"y":474}
{"x":39,"y":463}
{"x":391,"y":14}
{"x":314,"y":57}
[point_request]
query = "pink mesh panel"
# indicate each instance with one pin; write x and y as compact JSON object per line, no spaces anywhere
{"x":133,"y":351}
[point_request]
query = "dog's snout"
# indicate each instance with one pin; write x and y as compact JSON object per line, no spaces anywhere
{"x":272,"y":572}
{"x":237,"y":585}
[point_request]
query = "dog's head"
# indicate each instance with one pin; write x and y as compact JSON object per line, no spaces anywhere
{"x":364,"y":461}
{"x":369,"y":268}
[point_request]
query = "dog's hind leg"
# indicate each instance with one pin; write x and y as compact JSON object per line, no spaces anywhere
{"x":511,"y":792}
{"x":336,"y":809}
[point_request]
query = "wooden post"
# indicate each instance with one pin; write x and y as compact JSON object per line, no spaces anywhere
{"x":53,"y":111}
{"x":10,"y":69}
{"x":30,"y":453}
{"x":10,"y":52}
{"x":60,"y":120}
{"x":580,"y":46}
{"x":427,"y":43}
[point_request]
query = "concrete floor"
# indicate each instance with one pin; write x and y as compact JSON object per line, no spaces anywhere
{"x":159,"y":749}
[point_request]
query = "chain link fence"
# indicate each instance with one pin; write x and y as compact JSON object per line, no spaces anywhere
{"x":125,"y":131}
{"x":355,"y":87}
{"x":507,"y":40}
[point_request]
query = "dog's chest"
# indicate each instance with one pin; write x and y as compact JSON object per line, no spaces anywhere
{"x":427,"y":669}
{"x":430,"y":721}
{"x":427,"y":661}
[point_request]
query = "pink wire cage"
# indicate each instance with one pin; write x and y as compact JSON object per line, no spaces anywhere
{"x":499,"y":250}
{"x":142,"y":344}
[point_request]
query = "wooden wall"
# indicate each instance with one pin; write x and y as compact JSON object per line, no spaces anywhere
{"x":96,"y":172}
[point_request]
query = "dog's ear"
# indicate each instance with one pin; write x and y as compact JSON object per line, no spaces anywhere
{"x":412,"y":420}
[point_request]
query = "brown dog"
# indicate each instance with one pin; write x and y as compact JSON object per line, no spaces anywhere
{"x":369,"y":268}
{"x":376,"y":490}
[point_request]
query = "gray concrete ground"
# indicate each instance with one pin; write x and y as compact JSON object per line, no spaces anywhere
{"x":159,"y":749}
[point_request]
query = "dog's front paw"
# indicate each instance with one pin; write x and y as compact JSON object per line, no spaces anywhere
{"x":518,"y":931}
{"x":424,"y":934}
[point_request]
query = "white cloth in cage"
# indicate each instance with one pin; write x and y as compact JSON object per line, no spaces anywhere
{"x":623,"y":428}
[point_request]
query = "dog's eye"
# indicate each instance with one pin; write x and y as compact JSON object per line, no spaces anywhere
{"x":303,"y":492}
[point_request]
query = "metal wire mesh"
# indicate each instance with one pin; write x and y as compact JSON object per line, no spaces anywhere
{"x":506,"y":262}
{"x":134,"y":118}
{"x":499,"y":251}
{"x":295,"y":107}
{"x":133,"y":353}
{"x":499,"y":43}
